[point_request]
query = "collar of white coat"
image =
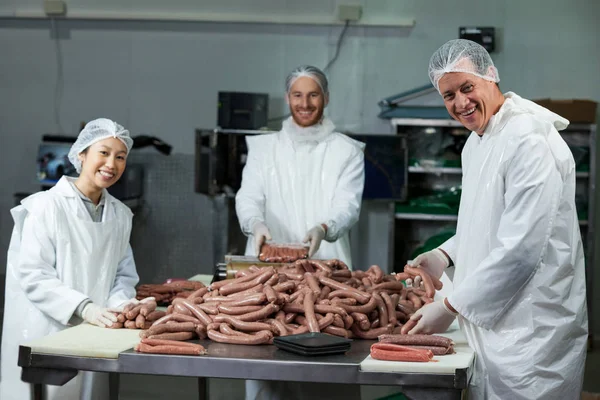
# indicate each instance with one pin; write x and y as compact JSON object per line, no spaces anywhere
{"x":315,"y":133}
{"x":63,"y":188}
{"x":512,"y":101}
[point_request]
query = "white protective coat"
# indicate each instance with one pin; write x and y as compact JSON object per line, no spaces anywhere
{"x":57,"y":258}
{"x":293,"y":180}
{"x":292,"y":185}
{"x":519,"y":284}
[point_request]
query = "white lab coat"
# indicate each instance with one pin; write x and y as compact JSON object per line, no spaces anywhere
{"x":293,"y":180}
{"x":57,"y":258}
{"x":293,"y":185}
{"x":519,"y":284}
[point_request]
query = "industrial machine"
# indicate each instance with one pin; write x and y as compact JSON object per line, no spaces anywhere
{"x":238,"y":110}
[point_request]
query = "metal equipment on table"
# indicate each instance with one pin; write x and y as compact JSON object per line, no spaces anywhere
{"x":233,"y":264}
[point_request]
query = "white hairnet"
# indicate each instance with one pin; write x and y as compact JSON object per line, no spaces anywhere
{"x":93,"y":132}
{"x":309,"y":71}
{"x":460,"y":55}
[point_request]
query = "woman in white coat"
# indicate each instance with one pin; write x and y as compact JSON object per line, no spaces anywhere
{"x":303,"y":183}
{"x":69,"y":259}
{"x":519,"y":285}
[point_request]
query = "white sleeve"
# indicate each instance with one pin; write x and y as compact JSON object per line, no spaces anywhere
{"x":124,"y":286}
{"x":449,"y":246}
{"x":250,"y":199}
{"x":533,"y":187}
{"x":347,"y":199}
{"x":37,"y":273}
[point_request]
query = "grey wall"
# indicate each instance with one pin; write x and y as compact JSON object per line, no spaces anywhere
{"x":162,"y":78}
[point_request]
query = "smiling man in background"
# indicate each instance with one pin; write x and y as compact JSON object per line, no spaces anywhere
{"x":302,"y":184}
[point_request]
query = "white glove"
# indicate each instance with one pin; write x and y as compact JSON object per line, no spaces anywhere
{"x":97,"y":315}
{"x":119,"y":308}
{"x":434,"y":262}
{"x":261,"y":234}
{"x":315,"y":236}
{"x":432,"y":318}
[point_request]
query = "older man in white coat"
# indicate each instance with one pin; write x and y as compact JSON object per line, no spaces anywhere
{"x":519,"y":285}
{"x":303,"y":183}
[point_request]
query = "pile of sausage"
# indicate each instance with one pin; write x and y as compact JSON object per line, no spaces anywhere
{"x":138,"y":316}
{"x":166,"y":292}
{"x":282,"y":253}
{"x":304,"y":296}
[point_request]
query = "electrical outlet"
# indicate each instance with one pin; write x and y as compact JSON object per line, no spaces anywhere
{"x":349,"y":12}
{"x":55,"y":8}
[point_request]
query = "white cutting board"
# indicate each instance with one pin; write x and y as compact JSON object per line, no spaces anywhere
{"x":87,"y":341}
{"x":463,"y":358}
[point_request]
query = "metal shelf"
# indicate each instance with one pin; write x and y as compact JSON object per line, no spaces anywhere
{"x":435,"y":170}
{"x":426,"y":217}
{"x":454,"y":123}
{"x":426,"y":122}
{"x":457,"y":171}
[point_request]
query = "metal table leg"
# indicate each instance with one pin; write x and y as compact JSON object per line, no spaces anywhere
{"x":37,"y":391}
{"x":202,"y":388}
{"x":113,"y":386}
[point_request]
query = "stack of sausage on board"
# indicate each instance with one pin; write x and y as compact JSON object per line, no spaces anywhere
{"x":166,"y":292}
{"x":138,"y":316}
{"x":304,"y":296}
{"x":282,"y":253}
{"x":416,"y":348}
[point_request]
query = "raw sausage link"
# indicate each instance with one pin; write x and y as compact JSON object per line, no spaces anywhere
{"x":229,"y":310}
{"x":243,"y":325}
{"x":171,"y":328}
{"x":389,"y":355}
{"x":309,"y":312}
{"x":334,"y":330}
{"x":260,"y":314}
{"x":173,"y":336}
{"x":389,"y":305}
{"x":361,"y":297}
{"x":372,"y":333}
{"x":155,"y":315}
{"x":258,"y":338}
{"x":176,"y":350}
{"x":365,"y":308}
{"x":417,"y":340}
{"x":158,"y":342}
{"x":197,"y":312}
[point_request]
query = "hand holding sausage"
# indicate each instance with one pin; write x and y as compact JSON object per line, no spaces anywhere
{"x":315,"y":236}
{"x":261,"y":234}
{"x":97,"y":315}
{"x":431,"y":318}
{"x":434,"y":262}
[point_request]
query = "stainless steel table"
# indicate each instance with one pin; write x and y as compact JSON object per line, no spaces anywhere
{"x":242,"y":362}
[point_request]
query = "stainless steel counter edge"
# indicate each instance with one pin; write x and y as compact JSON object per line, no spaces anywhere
{"x":246,"y":362}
